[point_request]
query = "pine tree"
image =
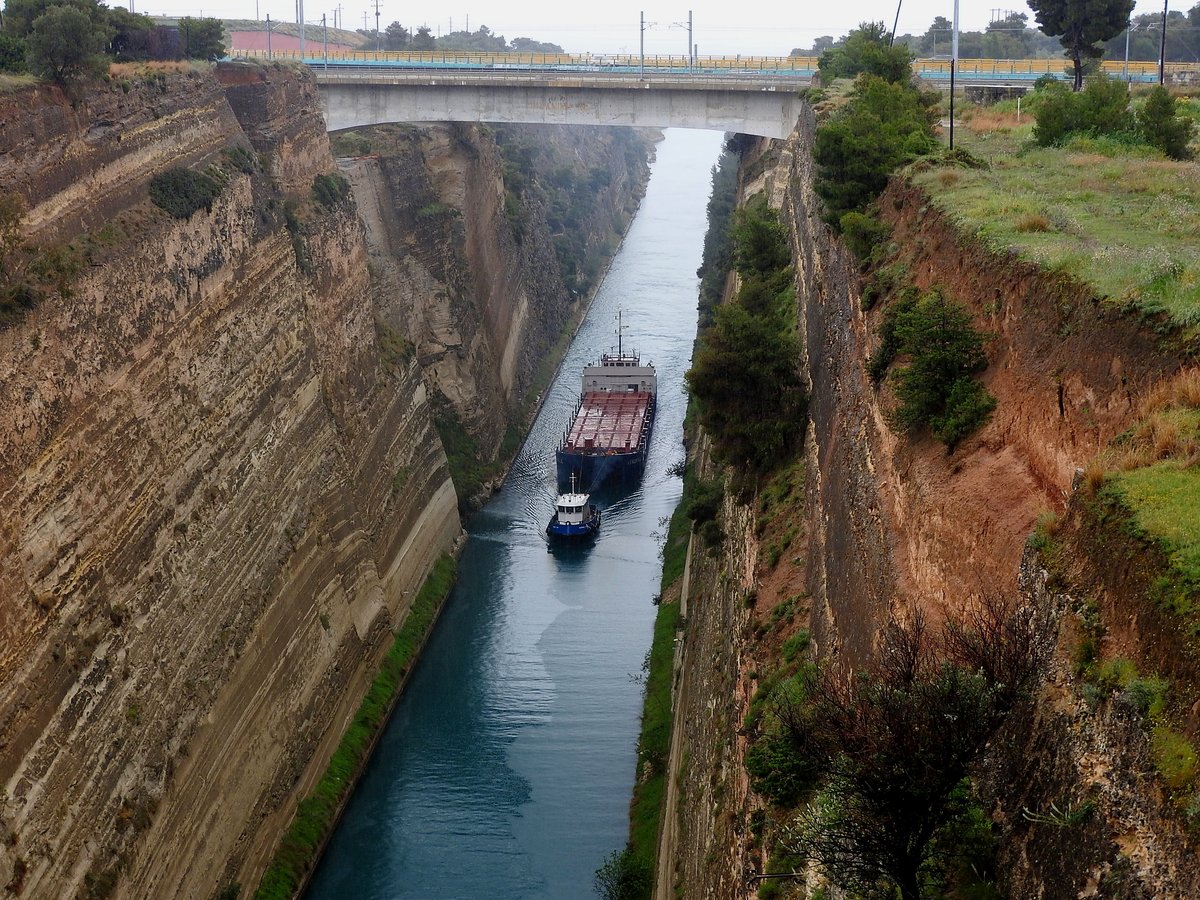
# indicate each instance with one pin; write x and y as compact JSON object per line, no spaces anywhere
{"x":1081,"y":25}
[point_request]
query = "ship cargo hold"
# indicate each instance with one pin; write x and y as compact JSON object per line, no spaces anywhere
{"x":610,"y":434}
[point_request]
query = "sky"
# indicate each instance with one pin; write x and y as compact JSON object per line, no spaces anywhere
{"x":720,"y":27}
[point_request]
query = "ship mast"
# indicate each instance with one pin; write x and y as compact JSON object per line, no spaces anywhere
{"x":620,"y":328}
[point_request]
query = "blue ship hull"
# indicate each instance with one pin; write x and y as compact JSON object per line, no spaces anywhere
{"x":571,"y":531}
{"x":593,"y":471}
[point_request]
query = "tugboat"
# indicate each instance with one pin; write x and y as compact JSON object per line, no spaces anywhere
{"x":574,"y":518}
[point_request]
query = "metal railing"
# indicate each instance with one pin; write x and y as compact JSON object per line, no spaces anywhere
{"x":702,"y":67}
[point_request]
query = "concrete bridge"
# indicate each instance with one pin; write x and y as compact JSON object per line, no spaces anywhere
{"x":354,"y":97}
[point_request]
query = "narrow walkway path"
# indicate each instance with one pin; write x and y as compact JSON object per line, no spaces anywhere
{"x":668,"y":835}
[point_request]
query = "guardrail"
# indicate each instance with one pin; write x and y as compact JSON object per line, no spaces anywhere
{"x":791,"y":69}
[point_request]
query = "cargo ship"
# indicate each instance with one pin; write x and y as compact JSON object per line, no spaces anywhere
{"x":610,"y":434}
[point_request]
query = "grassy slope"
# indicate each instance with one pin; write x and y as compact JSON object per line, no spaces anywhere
{"x":1119,"y":218}
{"x":1123,"y":220}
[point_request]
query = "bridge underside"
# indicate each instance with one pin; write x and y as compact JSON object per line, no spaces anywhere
{"x":767,"y":113}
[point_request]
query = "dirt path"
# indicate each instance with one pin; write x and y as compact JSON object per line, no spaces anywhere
{"x":668,"y":836}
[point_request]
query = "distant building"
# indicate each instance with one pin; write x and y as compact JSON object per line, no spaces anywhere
{"x":257,"y":40}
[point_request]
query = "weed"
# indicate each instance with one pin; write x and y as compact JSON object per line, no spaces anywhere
{"x":1174,"y":757}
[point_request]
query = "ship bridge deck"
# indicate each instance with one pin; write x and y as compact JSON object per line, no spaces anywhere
{"x":609,"y":422}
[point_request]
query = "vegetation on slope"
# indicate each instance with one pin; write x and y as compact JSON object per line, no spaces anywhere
{"x":317,"y":813}
{"x":1109,"y":210}
{"x":744,"y":375}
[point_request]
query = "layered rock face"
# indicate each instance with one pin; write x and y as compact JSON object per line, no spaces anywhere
{"x":220,"y":478}
{"x":467,"y":269}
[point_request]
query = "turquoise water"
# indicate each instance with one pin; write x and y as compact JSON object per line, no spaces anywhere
{"x":507,"y":768}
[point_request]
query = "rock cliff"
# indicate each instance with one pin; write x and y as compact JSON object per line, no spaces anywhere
{"x":220,"y":476}
{"x":889,"y":523}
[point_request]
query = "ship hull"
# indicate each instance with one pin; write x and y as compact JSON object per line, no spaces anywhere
{"x":593,"y":471}
{"x":574,"y":531}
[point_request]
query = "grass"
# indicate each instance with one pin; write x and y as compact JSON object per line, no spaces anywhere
{"x":654,"y":741}
{"x":1174,"y":757}
{"x":1120,"y":219}
{"x":1164,"y":500}
{"x":645,"y":812}
{"x":316,"y":813}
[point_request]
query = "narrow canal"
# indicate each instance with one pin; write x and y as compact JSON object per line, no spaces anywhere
{"x":507,"y":768}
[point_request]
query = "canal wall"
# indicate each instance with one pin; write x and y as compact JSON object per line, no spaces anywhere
{"x":881,"y":524}
{"x":221,"y":479}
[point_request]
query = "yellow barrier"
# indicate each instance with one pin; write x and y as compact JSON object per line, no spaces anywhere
{"x":1055,"y":66}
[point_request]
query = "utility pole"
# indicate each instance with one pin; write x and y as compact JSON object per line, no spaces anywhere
{"x":325,"y":39}
{"x":337,"y":16}
{"x":300,"y":22}
{"x":268,"y":36}
{"x":953,"y":66}
{"x":641,"y":46}
{"x":376,"y":26}
{"x":1162,"y":48}
{"x":689,"y":46}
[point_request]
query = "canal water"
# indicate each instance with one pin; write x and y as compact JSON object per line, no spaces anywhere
{"x":507,"y":767}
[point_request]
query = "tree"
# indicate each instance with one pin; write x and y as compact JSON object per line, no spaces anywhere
{"x":132,"y":32}
{"x":936,"y":388}
{"x":396,"y":37}
{"x":895,"y":762}
{"x":859,"y":146}
{"x":1081,"y":25}
{"x":423,"y":39}
{"x":66,"y":46}
{"x":202,"y":38}
{"x":938,"y":35}
{"x":12,"y":54}
{"x":866,"y":50}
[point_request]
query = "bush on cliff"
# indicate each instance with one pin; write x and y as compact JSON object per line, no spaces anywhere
{"x":944,"y":351}
{"x":867,"y":49}
{"x":892,"y":795}
{"x":884,"y":125}
{"x":745,"y":374}
{"x":330,"y":190}
{"x":181,"y":192}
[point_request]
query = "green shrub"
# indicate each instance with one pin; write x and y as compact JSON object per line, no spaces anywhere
{"x":1159,"y":126}
{"x":241,"y":158}
{"x":1101,"y":108}
{"x":795,"y":645}
{"x":936,"y":389}
{"x":330,"y":190}
{"x":1174,"y":757}
{"x":1146,"y":695}
{"x":704,"y":500}
{"x":12,"y":54}
{"x":882,"y":126}
{"x":967,"y":406}
{"x":181,"y":192}
{"x":862,"y":233}
{"x":624,"y":876}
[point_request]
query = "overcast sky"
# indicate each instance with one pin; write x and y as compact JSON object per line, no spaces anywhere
{"x":767,"y":27}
